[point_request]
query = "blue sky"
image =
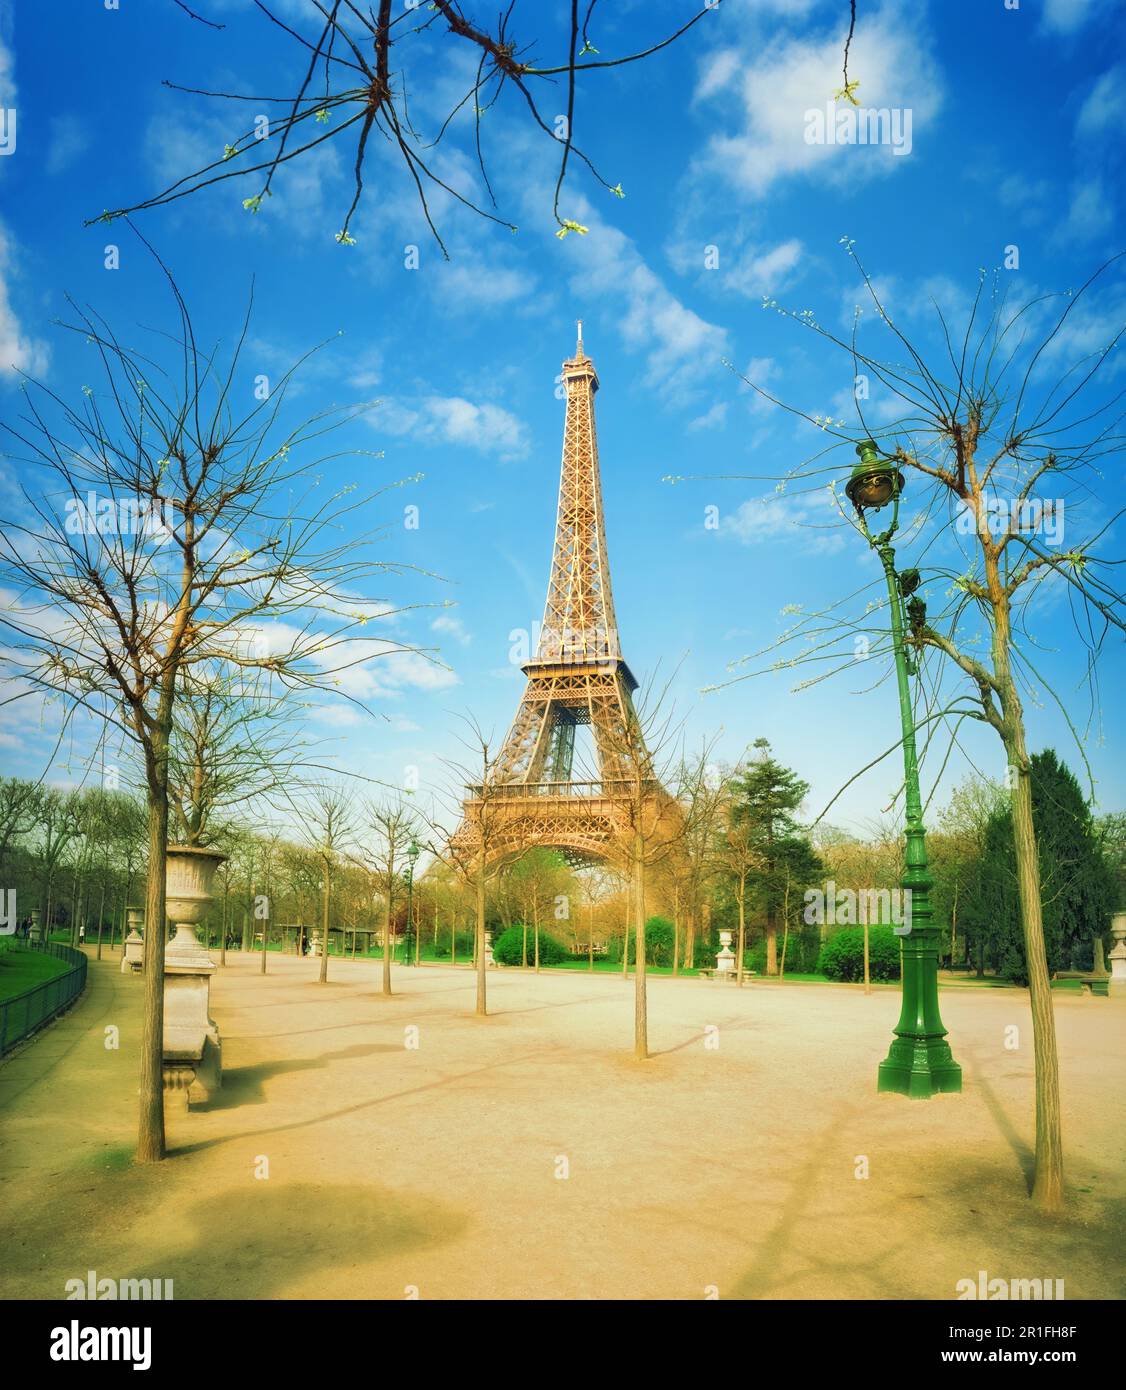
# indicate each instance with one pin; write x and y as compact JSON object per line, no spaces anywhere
{"x":1016,"y":120}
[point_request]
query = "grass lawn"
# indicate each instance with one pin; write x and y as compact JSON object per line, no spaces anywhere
{"x":21,"y":970}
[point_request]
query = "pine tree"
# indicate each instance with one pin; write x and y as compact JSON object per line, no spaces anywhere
{"x":1076,"y":880}
{"x":765,"y":798}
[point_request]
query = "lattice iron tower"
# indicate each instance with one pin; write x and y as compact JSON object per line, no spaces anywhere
{"x":576,"y":677}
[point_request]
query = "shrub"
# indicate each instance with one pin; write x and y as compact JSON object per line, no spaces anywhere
{"x":508,"y":948}
{"x":842,"y":956}
{"x":441,"y":948}
{"x":660,"y":936}
{"x":659,"y":939}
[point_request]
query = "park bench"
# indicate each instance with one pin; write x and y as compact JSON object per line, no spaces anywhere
{"x":1091,"y":983}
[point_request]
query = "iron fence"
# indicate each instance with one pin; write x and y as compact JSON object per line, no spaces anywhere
{"x":24,"y":1013}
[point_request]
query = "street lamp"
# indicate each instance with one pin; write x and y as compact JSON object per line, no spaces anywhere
{"x":919,"y":1062}
{"x":413,"y":852}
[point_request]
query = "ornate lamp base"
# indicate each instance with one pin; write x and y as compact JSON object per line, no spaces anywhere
{"x":919,"y":1068}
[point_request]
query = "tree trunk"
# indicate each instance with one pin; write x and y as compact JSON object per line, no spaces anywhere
{"x":867,"y":984}
{"x":101,"y":912}
{"x":676,"y":931}
{"x":771,"y":944}
{"x":1047,"y":1189}
{"x":323,"y":976}
{"x":482,"y":1006}
{"x":742,"y":934}
{"x":387,"y":947}
{"x":953,"y":924}
{"x":536,"y":931}
{"x":640,"y":996}
{"x":625,"y":939}
{"x":590,"y":938}
{"x":150,"y":1137}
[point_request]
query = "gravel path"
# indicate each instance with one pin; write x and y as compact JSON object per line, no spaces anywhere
{"x":392,"y":1168}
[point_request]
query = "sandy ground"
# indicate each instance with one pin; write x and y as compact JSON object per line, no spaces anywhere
{"x":392,"y":1169}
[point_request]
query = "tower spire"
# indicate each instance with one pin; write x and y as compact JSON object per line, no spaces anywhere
{"x":579,"y":349}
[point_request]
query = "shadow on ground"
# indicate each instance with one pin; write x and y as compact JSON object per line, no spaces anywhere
{"x":245,"y":1085}
{"x":256,"y":1241}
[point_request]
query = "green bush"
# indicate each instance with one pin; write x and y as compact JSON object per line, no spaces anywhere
{"x":659,"y":939}
{"x":660,"y":935}
{"x":842,"y":956}
{"x":508,"y":948}
{"x":441,"y":949}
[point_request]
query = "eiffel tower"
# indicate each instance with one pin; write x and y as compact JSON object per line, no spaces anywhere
{"x":576,"y":677}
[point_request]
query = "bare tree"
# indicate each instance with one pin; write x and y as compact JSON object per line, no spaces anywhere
{"x":737,"y":853}
{"x":19,"y":804}
{"x":355,"y":67}
{"x":993,"y":416}
{"x":475,"y":850}
{"x":701,"y":790}
{"x":208,"y":529}
{"x":391,"y":827}
{"x":332,"y":825}
{"x":637,"y":752}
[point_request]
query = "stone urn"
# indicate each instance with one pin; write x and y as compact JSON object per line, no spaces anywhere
{"x":192,"y":1048}
{"x":725,"y":957}
{"x":489,"y":961}
{"x":1116,"y":986}
{"x":133,"y":950}
{"x":37,"y":931}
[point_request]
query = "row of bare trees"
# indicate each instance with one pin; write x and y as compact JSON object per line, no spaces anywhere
{"x":214,"y":556}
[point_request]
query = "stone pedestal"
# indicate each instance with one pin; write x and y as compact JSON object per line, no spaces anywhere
{"x":1116,"y":985}
{"x":193,"y":1053}
{"x":133,"y":948}
{"x":315,"y":943}
{"x":725,"y":957}
{"x":489,"y":950}
{"x":38,"y":929}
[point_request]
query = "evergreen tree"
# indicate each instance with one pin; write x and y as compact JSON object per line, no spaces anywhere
{"x":1076,"y":879}
{"x":765,"y":798}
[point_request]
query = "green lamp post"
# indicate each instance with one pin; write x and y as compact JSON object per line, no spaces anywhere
{"x":919,"y":1062}
{"x":413,"y":852}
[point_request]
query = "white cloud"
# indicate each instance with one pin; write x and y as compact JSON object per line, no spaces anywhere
{"x":68,"y":140}
{"x":365,"y":369}
{"x":1089,"y":214}
{"x":1066,"y":16}
{"x":711,"y":419}
{"x":18,"y":351}
{"x":468,"y":282}
{"x":307,"y":193}
{"x":765,"y":273}
{"x":808,"y":520}
{"x":7,"y":73}
{"x":758,"y":372}
{"x":1104,"y":107}
{"x":487,"y":428}
{"x":454,"y":627}
{"x":775,"y":82}
{"x":607,"y":267}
